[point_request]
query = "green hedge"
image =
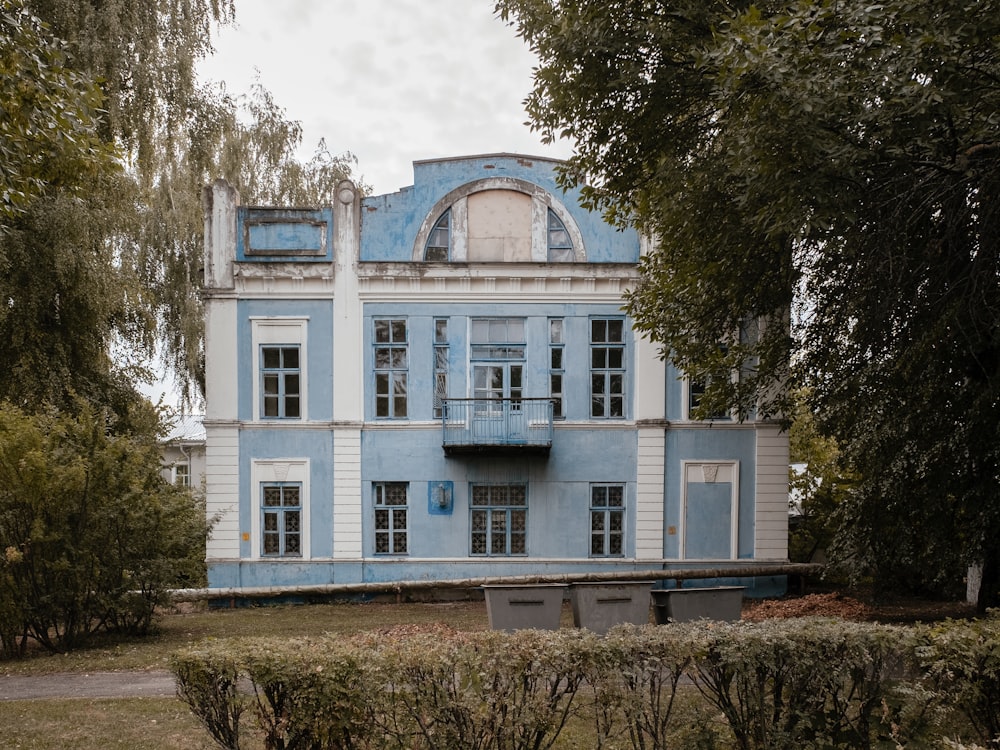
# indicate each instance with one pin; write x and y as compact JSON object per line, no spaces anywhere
{"x":804,"y":683}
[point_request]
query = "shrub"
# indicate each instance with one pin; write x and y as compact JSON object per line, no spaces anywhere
{"x":207,"y":681}
{"x":962,"y":662}
{"x":310,"y":694}
{"x":93,"y":536}
{"x":806,"y":683}
{"x":634,"y":675}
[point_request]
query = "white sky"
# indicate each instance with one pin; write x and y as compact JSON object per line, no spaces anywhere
{"x":391,"y":81}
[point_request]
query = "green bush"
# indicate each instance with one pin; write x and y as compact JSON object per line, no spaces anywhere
{"x":635,"y":675}
{"x":91,"y":534}
{"x":208,"y":681}
{"x":804,"y":683}
{"x":809,"y":683}
{"x":962,"y":662}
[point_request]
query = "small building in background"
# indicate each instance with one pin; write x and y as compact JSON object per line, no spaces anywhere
{"x":183,"y":452}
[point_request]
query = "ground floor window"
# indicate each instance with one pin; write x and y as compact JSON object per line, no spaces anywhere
{"x":281,"y":507}
{"x":499,"y":516}
{"x":390,"y":518}
{"x":607,"y":520}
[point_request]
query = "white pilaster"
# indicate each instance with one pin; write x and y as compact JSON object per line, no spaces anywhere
{"x":771,"y":516}
{"x":650,"y":381}
{"x":649,"y":512}
{"x":348,"y":374}
{"x":220,"y":202}
{"x":347,"y":493}
{"x":222,"y":491}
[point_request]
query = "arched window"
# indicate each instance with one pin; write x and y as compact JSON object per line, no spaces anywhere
{"x":560,"y":245}
{"x":439,"y":240}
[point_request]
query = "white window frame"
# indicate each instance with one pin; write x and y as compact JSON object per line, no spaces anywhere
{"x":280,"y":331}
{"x":270,"y":471}
{"x":607,"y":371}
{"x":686,"y":393}
{"x":392,"y":530}
{"x":391,"y":371}
{"x":176,"y":475}
{"x":607,"y":511}
{"x":695,"y":472}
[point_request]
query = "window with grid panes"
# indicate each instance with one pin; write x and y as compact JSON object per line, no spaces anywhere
{"x":182,"y":475}
{"x":607,"y":368}
{"x":391,"y":367}
{"x":556,"y":367}
{"x":440,"y":364}
{"x":280,"y":381}
{"x":560,"y":245}
{"x":391,"y":535}
{"x":281,"y":509}
{"x":499,"y":518}
{"x":607,"y":520}
{"x":439,"y":240}
{"x":696,"y":391}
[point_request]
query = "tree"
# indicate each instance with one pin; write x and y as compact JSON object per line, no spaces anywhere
{"x":102,"y":253}
{"x":92,"y":537}
{"x":816,"y":483}
{"x":836,"y":159}
{"x":48,"y":134}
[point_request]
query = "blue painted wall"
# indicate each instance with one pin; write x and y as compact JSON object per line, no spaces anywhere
{"x":706,"y":444}
{"x":271,"y":235}
{"x":390,"y":223}
{"x":317,"y":446}
{"x":319,"y":346}
{"x":558,"y":487}
{"x":420,"y":332}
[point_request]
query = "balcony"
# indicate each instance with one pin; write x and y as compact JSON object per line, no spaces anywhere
{"x":497,"y":426}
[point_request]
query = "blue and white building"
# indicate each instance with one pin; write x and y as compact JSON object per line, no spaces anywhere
{"x":440,"y":383}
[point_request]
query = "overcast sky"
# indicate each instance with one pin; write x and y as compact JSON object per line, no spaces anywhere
{"x":391,"y":81}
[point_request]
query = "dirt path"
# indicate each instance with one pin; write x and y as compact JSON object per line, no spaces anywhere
{"x":89,"y":685}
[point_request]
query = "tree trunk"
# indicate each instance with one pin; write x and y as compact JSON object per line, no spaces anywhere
{"x":989,"y":586}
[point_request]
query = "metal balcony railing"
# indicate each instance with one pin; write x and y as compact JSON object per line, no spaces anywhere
{"x":497,"y":425}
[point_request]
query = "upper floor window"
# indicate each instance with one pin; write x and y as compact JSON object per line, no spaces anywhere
{"x":281,"y":366}
{"x":440,"y":364}
{"x":607,"y":368}
{"x":391,"y":368}
{"x":497,"y":338}
{"x":560,"y":244}
{"x":556,"y":366}
{"x":280,"y":374}
{"x":439,"y":240}
{"x":696,"y":392}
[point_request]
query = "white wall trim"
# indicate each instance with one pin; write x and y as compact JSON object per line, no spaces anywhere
{"x":280,"y":330}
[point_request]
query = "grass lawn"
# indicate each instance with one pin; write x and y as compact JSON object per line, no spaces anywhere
{"x":177,"y":630}
{"x":84,"y":724}
{"x":166,"y":723}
